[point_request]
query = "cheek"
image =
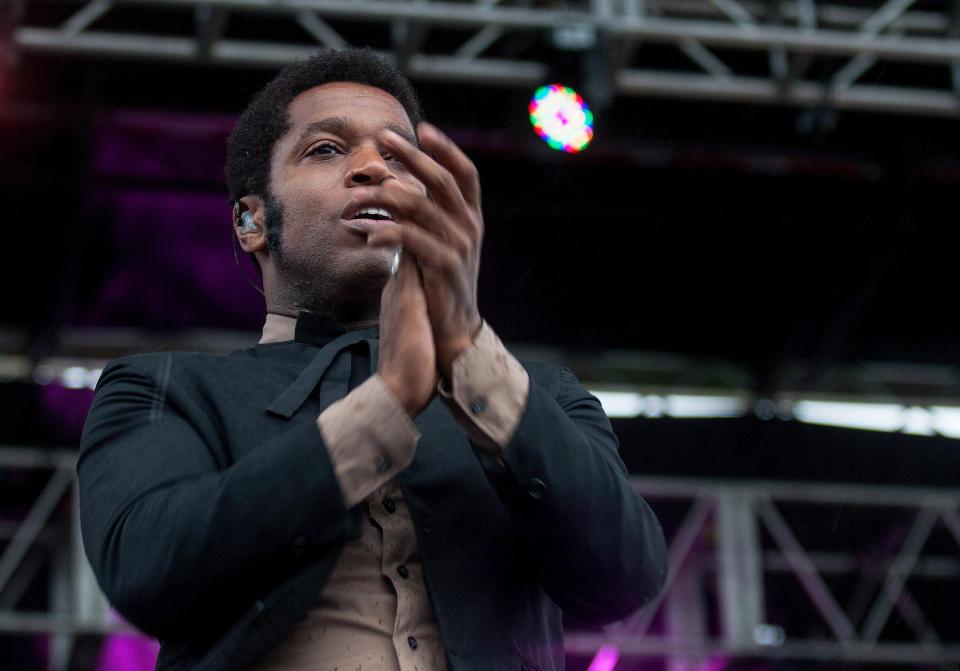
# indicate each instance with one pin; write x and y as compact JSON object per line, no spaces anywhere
{"x":308,"y":251}
{"x":310,"y":229}
{"x":312,"y":206}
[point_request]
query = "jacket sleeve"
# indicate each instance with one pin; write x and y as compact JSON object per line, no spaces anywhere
{"x":597,"y":544}
{"x":175,"y":529}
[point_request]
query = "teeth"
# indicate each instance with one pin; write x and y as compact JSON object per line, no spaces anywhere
{"x":379,"y":211}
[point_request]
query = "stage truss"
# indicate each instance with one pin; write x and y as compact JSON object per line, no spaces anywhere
{"x":898,"y":56}
{"x":857,"y":562}
{"x":744,"y":556}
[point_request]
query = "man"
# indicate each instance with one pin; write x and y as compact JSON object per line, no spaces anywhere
{"x":378,"y":484}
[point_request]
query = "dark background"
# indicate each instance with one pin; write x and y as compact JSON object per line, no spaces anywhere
{"x":702,"y":228}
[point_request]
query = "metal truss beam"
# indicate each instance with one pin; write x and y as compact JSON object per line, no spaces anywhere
{"x":768,"y":91}
{"x":43,"y":540}
{"x":706,"y":31}
{"x":716,"y":549}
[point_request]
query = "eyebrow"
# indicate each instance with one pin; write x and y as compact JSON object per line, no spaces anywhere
{"x":342,"y":125}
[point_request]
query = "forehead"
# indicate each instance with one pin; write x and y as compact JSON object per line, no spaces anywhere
{"x":362,"y":105}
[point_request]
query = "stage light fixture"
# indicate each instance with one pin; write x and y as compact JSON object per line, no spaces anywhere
{"x":678,"y":406}
{"x":561,"y":117}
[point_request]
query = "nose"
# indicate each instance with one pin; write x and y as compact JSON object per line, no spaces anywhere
{"x":367,"y":167}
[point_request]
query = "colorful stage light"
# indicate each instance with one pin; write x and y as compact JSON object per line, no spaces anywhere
{"x":561,"y":118}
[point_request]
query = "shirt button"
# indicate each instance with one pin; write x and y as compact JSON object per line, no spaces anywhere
{"x":383,"y":465}
{"x":412,"y":642}
{"x":478,"y":406}
{"x":403,"y":571}
{"x":389,"y":505}
{"x":536,"y":488}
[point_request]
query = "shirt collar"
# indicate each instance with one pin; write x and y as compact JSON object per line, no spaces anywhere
{"x":278,"y":328}
{"x":307,"y":327}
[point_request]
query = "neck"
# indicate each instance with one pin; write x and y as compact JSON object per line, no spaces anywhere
{"x":351,"y":316}
{"x":350,"y":326}
{"x":354,"y":304}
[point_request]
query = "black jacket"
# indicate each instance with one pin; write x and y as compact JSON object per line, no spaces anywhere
{"x":212,"y":517}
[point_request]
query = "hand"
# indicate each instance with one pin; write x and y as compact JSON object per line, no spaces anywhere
{"x":407,"y":356}
{"x":443,"y":231}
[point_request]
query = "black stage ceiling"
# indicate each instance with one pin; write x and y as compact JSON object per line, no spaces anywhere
{"x":756,"y":233}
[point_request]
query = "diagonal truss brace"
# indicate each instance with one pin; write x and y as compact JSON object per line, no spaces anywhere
{"x":871,"y":27}
{"x":33,"y":523}
{"x":680,"y":549}
{"x":898,"y":572}
{"x":806,"y":572}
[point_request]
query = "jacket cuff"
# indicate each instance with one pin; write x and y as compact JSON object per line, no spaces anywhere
{"x":369,"y":437}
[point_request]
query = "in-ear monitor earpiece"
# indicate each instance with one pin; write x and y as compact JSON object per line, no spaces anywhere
{"x":247,"y":224}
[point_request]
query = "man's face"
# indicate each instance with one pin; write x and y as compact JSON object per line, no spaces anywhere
{"x":330,"y":149}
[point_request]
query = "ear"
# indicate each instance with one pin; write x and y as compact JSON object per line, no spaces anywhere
{"x":255,"y":240}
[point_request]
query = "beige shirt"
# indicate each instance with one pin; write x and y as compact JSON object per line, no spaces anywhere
{"x":374,"y":613}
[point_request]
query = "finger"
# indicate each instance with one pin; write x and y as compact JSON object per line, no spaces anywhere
{"x":429,"y":252}
{"x":408,"y":207}
{"x":449,"y":155}
{"x":388,"y":296}
{"x":410,"y":292}
{"x":440,"y":183}
{"x":401,"y":201}
{"x":398,"y":287}
{"x":407,"y":273}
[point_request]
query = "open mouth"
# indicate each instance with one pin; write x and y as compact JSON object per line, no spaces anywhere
{"x":374,"y":213}
{"x":366,"y":220}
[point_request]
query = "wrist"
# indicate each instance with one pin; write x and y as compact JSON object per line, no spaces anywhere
{"x":453,"y":348}
{"x":397,"y":388}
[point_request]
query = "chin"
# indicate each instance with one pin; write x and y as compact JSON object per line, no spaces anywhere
{"x":364,"y":283}
{"x":383,"y":255}
{"x":375,"y":265}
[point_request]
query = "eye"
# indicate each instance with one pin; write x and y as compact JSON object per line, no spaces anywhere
{"x":323,"y":149}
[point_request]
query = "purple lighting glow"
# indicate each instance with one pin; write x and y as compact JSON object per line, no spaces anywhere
{"x":127,"y":652}
{"x":606,"y":659}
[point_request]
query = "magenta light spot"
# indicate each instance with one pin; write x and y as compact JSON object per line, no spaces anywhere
{"x":606,"y":659}
{"x":127,"y":652}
